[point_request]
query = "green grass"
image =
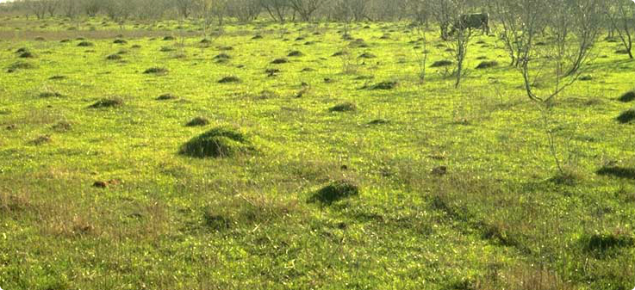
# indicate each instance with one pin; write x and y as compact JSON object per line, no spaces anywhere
{"x":500,"y":218}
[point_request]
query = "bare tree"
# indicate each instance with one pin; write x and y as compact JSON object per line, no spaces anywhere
{"x":306,"y":8}
{"x":92,"y":7}
{"x":70,"y":8}
{"x":244,"y":10}
{"x":621,"y":14}
{"x":277,"y":9}
{"x":184,"y":7}
{"x":443,"y":11}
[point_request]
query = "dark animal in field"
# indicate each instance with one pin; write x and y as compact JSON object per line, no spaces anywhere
{"x":472,"y":21}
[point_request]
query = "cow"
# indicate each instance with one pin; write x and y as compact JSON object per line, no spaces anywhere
{"x":469,"y":21}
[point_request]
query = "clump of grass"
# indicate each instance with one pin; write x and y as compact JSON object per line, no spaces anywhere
{"x":586,"y":78}
{"x":20,"y":65}
{"x":114,"y":57}
{"x":367,"y":55}
{"x":229,"y":79}
{"x":245,"y":211}
{"x":205,"y":41}
{"x":22,"y":50}
{"x":168,"y":38}
{"x":85,"y":44}
{"x":344,"y":107}
{"x":156,"y":71}
{"x":627,"y":97}
{"x":217,"y":143}
{"x":295,"y":53}
{"x":442,"y":63}
{"x":57,"y":78}
{"x":166,"y":97}
{"x":107,"y":103}
{"x":166,"y":49}
{"x":280,"y":61}
{"x":226,"y":48}
{"x":120,"y":41}
{"x":487,"y":64}
{"x":388,"y":85}
{"x":627,"y":116}
{"x":335,"y":191}
{"x":197,"y":122}
{"x":257,"y":36}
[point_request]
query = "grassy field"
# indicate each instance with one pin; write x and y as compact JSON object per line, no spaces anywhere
{"x":322,"y":171}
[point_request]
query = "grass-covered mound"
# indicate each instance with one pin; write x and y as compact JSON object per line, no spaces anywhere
{"x":335,"y":191}
{"x":627,"y":97}
{"x":216,"y":143}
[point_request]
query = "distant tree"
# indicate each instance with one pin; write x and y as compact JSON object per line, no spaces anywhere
{"x":277,"y":9}
{"x":244,"y":10}
{"x":306,"y":8}
{"x":621,"y":17}
{"x":443,"y":12}
{"x":70,"y":8}
{"x":184,"y":7}
{"x":38,"y":7}
{"x":91,"y":7}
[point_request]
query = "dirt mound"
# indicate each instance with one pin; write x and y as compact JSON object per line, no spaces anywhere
{"x":156,"y":71}
{"x":335,"y":191}
{"x":389,"y":85}
{"x":628,"y":97}
{"x":617,"y":171}
{"x":280,"y":61}
{"x":487,"y":64}
{"x":166,"y":97}
{"x":216,"y":143}
{"x":198,"y":121}
{"x":442,"y":63}
{"x":344,"y":107}
{"x":367,"y":55}
{"x":46,"y":95}
{"x":627,"y":116}
{"x":26,"y":54}
{"x":107,"y":103}
{"x":229,"y":79}
{"x":114,"y":57}
{"x":20,"y":66}
{"x":295,"y":53}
